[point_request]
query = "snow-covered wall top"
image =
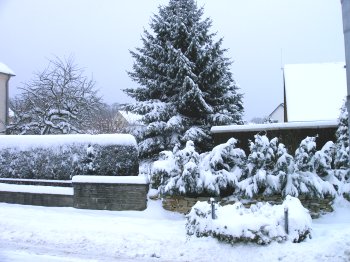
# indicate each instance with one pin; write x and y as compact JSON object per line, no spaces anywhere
{"x":110,"y":180}
{"x":274,"y":126}
{"x":6,"y":70}
{"x":36,"y":189}
{"x":314,"y":91}
{"x":49,"y":141}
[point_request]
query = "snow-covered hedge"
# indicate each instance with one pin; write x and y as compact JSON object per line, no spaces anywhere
{"x":261,"y":223}
{"x":64,"y":156}
{"x":268,"y":170}
{"x":271,"y":170}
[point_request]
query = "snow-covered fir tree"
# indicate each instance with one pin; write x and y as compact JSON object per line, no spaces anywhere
{"x":184,"y":78}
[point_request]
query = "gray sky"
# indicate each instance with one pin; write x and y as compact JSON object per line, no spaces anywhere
{"x":261,"y":36}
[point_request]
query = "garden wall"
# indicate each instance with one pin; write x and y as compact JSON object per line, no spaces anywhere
{"x":184,"y":204}
{"x":110,"y":193}
{"x":37,"y":195}
{"x":290,"y":134}
{"x":88,"y":192}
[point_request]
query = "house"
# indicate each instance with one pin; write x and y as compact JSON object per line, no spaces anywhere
{"x":125,"y":120}
{"x":5,"y":74}
{"x":314,"y":92}
{"x":277,"y":115}
{"x":313,"y":96}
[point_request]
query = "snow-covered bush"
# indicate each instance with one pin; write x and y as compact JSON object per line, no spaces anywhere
{"x":342,"y":144}
{"x":222,"y":168}
{"x":63,"y":156}
{"x":178,"y":172}
{"x":271,"y":170}
{"x":341,"y":160}
{"x":259,"y":176}
{"x":301,"y":178}
{"x":261,"y":223}
{"x":185,"y":172}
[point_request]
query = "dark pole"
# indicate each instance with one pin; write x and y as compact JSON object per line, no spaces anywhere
{"x":346,"y":27}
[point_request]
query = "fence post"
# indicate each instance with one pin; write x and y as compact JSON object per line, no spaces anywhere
{"x":286,"y":226}
{"x":212,"y":201}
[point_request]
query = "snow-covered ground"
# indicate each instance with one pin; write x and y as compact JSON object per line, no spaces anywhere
{"x":32,"y":233}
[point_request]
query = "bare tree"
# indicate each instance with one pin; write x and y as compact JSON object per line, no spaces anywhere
{"x":59,"y":100}
{"x":104,"y":121}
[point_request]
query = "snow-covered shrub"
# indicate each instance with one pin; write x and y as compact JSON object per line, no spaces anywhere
{"x":63,"y":156}
{"x":324,"y":159}
{"x":222,"y":168}
{"x":185,"y":172}
{"x":301,"y":178}
{"x":259,"y":176}
{"x":304,"y":155}
{"x":261,"y":223}
{"x":178,"y":172}
{"x":341,"y":160}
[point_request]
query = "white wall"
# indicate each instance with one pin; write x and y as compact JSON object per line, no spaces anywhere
{"x":3,"y":100}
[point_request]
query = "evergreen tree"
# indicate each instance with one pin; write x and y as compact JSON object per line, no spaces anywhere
{"x":342,"y":144}
{"x":185,"y":83}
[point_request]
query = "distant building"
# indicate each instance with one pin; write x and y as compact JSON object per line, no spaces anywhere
{"x":313,"y":96}
{"x":5,"y":74}
{"x":277,"y":115}
{"x":126,"y":120}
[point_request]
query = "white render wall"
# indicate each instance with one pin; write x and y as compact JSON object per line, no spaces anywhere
{"x":3,"y":100}
{"x":278,"y":114}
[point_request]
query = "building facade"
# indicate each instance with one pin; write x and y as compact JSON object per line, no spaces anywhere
{"x":5,"y":74}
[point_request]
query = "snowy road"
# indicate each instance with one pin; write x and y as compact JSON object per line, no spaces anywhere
{"x":30,"y":233}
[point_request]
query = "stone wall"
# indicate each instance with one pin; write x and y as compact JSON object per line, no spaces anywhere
{"x":110,"y":193}
{"x":183,"y":205}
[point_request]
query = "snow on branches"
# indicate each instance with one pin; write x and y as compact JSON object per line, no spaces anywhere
{"x":58,"y":100}
{"x":268,"y":170}
{"x":185,"y":83}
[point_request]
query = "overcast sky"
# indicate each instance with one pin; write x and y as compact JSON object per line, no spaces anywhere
{"x":261,"y":36}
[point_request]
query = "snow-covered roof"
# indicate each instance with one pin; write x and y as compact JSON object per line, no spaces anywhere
{"x":274,"y":126}
{"x":314,"y":91}
{"x":131,"y":117}
{"x":6,"y":70}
